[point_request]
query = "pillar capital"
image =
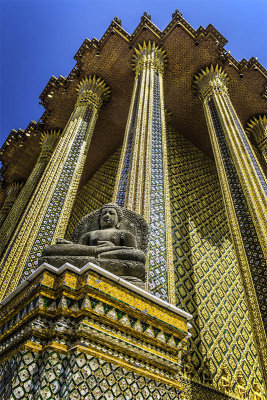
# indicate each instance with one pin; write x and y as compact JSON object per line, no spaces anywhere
{"x":13,"y":190}
{"x":48,"y":142}
{"x":258,"y":128}
{"x":212,"y":79}
{"x":148,"y":56}
{"x":92,"y":90}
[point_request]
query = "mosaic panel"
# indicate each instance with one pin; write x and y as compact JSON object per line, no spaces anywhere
{"x":51,"y":375}
{"x":127,"y":158}
{"x":251,"y":243}
{"x":208,"y":283}
{"x":19,"y":376}
{"x":85,"y":377}
{"x":98,"y":191}
{"x":157,"y":273}
{"x":50,"y":220}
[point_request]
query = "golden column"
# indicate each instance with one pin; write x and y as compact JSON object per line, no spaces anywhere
{"x":244,"y":191}
{"x":258,"y":128}
{"x":142,"y":181}
{"x":12,"y":192}
{"x":48,"y":142}
{"x":47,"y":213}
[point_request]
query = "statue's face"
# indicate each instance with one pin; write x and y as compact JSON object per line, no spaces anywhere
{"x":108,"y":218}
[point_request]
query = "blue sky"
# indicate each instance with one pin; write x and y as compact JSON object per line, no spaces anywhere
{"x":39,"y":39}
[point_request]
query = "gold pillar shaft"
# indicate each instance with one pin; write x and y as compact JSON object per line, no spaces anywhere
{"x":254,"y":186}
{"x":143,"y":162}
{"x":138,"y":182}
{"x":48,"y":142}
{"x":243,"y":189}
{"x":46,"y":215}
{"x":12,"y":192}
{"x":250,"y":174}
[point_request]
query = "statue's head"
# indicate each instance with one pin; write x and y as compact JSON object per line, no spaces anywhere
{"x":110,"y":216}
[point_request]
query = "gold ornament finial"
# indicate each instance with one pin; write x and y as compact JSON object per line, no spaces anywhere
{"x":48,"y":142}
{"x":210,"y":79}
{"x":93,"y":89}
{"x":149,"y":55}
{"x":258,"y":127}
{"x":13,"y":190}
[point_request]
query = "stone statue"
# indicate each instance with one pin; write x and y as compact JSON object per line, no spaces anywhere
{"x":112,"y":237}
{"x":256,"y":390}
{"x":240,"y":388}
{"x":188,"y":366}
{"x":225,"y":380}
{"x":206,"y":375}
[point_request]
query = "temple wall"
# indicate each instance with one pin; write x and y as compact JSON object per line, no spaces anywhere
{"x":208,"y":282}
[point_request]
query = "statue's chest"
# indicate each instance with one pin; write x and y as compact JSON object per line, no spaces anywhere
{"x":103,"y":236}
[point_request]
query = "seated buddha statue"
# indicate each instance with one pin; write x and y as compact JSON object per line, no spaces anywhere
{"x":256,"y":391}
{"x":188,"y":366}
{"x":240,"y":387}
{"x":205,"y":372}
{"x":105,"y":234}
{"x":225,"y":380}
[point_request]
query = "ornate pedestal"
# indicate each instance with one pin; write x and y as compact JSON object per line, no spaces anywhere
{"x":88,"y":334}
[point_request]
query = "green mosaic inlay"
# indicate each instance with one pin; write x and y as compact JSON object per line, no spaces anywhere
{"x":53,"y":375}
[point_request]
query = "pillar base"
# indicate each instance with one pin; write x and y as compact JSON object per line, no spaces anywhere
{"x":77,"y":333}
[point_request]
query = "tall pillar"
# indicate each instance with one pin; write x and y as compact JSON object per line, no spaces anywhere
{"x":142,"y":181}
{"x":258,"y":128}
{"x":46,"y":215}
{"x":48,"y":142}
{"x":244,"y":192}
{"x":12,"y":192}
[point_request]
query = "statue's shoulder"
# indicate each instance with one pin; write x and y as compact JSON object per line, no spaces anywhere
{"x":128,"y":239}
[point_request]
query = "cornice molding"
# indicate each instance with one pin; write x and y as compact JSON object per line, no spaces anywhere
{"x":17,"y":138}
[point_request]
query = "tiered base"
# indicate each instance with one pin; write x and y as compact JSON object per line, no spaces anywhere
{"x":88,"y":334}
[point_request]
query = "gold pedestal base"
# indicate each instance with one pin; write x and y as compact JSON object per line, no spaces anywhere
{"x":72,"y":333}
